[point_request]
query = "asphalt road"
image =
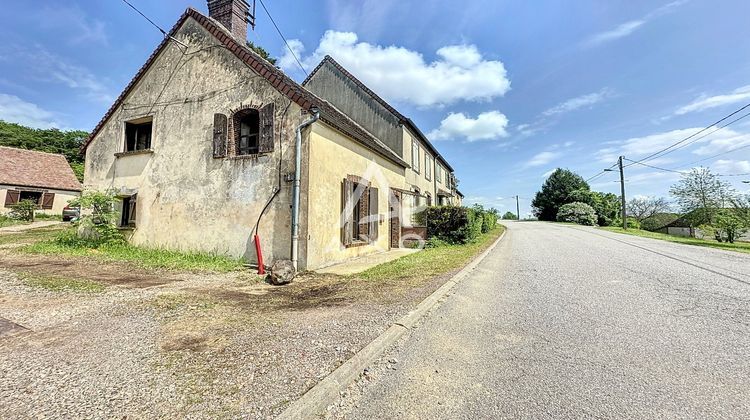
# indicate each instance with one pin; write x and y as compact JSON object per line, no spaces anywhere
{"x":570,"y":322}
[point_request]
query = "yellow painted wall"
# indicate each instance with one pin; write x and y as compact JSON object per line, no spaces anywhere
{"x":332,"y":157}
{"x":61,"y":199}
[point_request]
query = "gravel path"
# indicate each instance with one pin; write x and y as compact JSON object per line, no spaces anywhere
{"x":160,"y":344}
{"x":567,"y":322}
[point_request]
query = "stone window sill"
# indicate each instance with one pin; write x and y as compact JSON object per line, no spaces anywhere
{"x":134,"y":152}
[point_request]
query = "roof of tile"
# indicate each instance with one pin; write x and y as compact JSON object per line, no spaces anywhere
{"x":29,"y":168}
{"x":401,"y":117}
{"x":280,"y":81}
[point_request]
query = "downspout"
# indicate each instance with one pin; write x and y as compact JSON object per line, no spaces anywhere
{"x":296,"y":185}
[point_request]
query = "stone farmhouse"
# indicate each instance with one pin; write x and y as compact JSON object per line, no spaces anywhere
{"x":212,"y":148}
{"x":45,"y":178}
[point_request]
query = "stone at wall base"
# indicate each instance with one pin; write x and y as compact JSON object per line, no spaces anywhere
{"x":282,"y":272}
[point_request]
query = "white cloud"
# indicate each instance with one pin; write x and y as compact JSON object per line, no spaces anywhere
{"x":16,"y":110}
{"x":627,"y":28}
{"x":707,"y":102}
{"x":548,"y":173}
{"x":726,"y":166}
{"x":486,"y":126}
{"x":48,"y":67}
{"x":460,"y":73}
{"x":717,"y":142}
{"x":542,"y":158}
{"x":620,"y":31}
{"x":578,"y":102}
{"x":287,"y":60}
{"x":74,"y":24}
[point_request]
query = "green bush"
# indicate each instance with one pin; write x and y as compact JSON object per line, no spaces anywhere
{"x":510,"y":216}
{"x":456,"y":225}
{"x":633,"y":223}
{"x":25,"y":210}
{"x":580,"y":213}
{"x":96,"y":228}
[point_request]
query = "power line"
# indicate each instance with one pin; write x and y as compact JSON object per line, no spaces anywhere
{"x":604,"y":171}
{"x":654,"y":167}
{"x":668,"y":149}
{"x":166,"y":35}
{"x":282,"y":37}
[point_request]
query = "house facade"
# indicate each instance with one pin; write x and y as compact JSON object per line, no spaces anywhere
{"x":210,"y":145}
{"x":45,"y":178}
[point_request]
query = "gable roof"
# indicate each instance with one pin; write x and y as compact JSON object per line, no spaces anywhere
{"x":280,"y":81}
{"x":329,"y":61}
{"x":29,"y":168}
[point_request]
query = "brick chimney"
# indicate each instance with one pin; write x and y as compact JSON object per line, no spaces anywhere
{"x":233,"y":14}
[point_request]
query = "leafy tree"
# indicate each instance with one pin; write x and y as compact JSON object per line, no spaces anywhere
{"x":556,"y":191}
{"x":261,"y":52}
{"x":509,"y":215}
{"x":606,"y":205}
{"x":641,"y":208}
{"x":701,"y":194}
{"x":98,"y":222}
{"x":66,"y":143}
{"x":729,"y":226}
{"x":580,"y":213}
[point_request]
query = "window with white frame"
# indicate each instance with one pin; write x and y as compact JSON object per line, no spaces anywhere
{"x":415,"y":155}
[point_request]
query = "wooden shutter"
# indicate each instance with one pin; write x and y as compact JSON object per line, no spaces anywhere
{"x":266,"y":129}
{"x":364,"y":211}
{"x":11,"y":197}
{"x":220,"y":135}
{"x":347,"y":227}
{"x":374,"y":214}
{"x":48,"y":199}
{"x":132,"y":206}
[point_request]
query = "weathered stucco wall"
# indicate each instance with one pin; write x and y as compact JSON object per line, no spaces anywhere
{"x":332,"y":158}
{"x":187,"y":199}
{"x":61,"y":198}
{"x":329,"y":83}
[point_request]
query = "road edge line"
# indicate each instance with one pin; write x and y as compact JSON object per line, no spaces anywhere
{"x":317,"y":399}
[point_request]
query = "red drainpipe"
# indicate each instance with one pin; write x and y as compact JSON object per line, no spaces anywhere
{"x":259,"y":253}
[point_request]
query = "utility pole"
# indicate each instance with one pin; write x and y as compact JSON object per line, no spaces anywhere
{"x":622,"y":194}
{"x":518,"y":209}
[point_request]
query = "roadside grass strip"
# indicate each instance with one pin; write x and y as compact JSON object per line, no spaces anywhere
{"x":60,"y":284}
{"x":737,"y":246}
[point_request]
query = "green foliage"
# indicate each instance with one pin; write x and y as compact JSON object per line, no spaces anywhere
{"x":8,"y":221}
{"x":580,"y":213}
{"x":509,"y":215}
{"x":97,"y":227}
{"x":66,"y":143}
{"x":457,"y":225}
{"x":658,"y":221}
{"x":701,"y":194}
{"x":557,"y":191}
{"x":606,"y":205}
{"x":261,"y":52}
{"x":24,"y":210}
{"x":729,"y":226}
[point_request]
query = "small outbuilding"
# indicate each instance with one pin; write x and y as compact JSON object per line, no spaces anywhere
{"x":46,"y":178}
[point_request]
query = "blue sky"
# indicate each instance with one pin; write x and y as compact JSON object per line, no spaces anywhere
{"x":509,"y":90}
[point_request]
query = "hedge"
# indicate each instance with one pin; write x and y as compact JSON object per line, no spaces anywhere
{"x":457,"y":225}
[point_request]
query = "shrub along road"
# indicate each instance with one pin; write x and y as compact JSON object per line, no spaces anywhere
{"x":564,"y":321}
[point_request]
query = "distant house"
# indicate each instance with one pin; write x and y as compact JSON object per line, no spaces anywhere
{"x":210,"y":145}
{"x":45,"y":178}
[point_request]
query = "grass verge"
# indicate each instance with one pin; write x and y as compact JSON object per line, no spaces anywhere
{"x":141,"y":257}
{"x":737,"y":246}
{"x":61,"y":284}
{"x":31,"y":235}
{"x":431,"y":262}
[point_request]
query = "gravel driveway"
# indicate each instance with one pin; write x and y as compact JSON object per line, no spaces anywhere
{"x":571,"y":322}
{"x":147,"y":344}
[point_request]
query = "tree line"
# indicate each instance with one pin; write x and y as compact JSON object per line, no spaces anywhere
{"x":52,"y":140}
{"x":703,"y":199}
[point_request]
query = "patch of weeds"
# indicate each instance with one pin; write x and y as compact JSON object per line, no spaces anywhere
{"x":173,"y":302}
{"x":61,"y":284}
{"x":30,"y":236}
{"x":153,"y":258}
